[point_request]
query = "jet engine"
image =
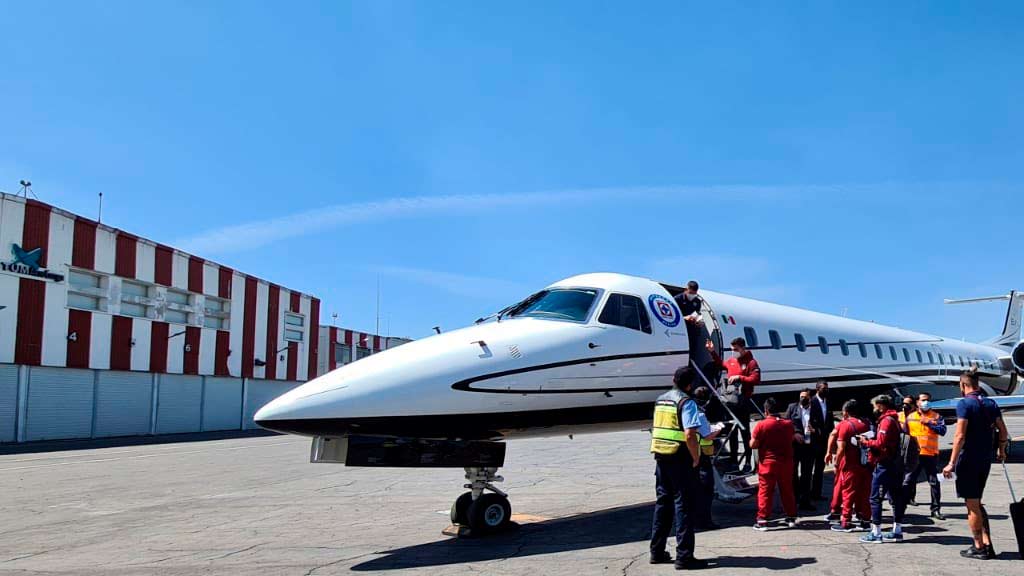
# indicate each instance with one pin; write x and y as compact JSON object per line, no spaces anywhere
{"x":1018,"y":356}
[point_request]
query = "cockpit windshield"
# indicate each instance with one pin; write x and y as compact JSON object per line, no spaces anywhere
{"x":558,"y":304}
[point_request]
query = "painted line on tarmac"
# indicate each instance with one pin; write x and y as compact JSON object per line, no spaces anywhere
{"x":164,"y":453}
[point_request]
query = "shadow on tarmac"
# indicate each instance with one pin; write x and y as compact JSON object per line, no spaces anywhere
{"x":611,"y":527}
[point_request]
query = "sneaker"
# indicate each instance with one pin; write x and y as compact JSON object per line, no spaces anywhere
{"x":831,"y":517}
{"x":975,"y":554}
{"x":938,"y":515}
{"x":871,"y":538}
{"x":990,"y":551}
{"x":691,"y":564}
{"x":892,"y":536}
{"x":843,"y":528}
{"x":662,"y":557}
{"x":761,"y":526}
{"x":791,"y":522}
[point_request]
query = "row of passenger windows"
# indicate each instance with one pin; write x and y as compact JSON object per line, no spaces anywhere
{"x":880,"y":351}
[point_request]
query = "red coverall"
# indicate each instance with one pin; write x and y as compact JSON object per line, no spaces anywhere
{"x":853,"y":477}
{"x":774,"y":439}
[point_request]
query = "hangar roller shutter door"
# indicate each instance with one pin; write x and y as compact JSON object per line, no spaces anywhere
{"x":59,"y":403}
{"x":179,"y":404}
{"x":261,"y":392}
{"x":8,"y":401}
{"x":222,"y":404}
{"x":123,"y":403}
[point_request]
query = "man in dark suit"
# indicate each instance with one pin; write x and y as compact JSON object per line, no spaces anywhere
{"x":807,"y":426}
{"x":820,"y":407}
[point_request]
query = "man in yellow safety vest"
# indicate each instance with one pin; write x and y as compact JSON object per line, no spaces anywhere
{"x":675,"y":436}
{"x":925,"y":425}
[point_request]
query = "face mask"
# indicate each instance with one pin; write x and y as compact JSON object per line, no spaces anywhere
{"x":805,"y":402}
{"x":908,"y":408}
{"x":690,"y":297}
{"x":822,"y":393}
{"x":924,"y":405}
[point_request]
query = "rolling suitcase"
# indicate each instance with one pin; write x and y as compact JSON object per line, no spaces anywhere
{"x":1016,"y":514}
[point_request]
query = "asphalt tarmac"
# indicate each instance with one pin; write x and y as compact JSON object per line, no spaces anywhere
{"x":254,"y":505}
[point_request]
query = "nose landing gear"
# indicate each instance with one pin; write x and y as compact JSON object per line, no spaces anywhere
{"x":483,"y":513}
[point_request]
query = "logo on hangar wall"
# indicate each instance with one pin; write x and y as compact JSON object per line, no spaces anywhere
{"x":26,"y":263}
{"x":664,"y":310}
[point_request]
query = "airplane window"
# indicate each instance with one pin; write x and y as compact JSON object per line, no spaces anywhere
{"x":776,"y":339}
{"x":892,"y":352}
{"x":931,"y":358}
{"x":801,"y":344}
{"x":626,"y":311}
{"x":843,"y":347}
{"x":823,"y":344}
{"x":750,"y":335}
{"x":906,"y":355}
{"x":878,"y":351}
{"x":558,"y":304}
{"x":920,"y":358}
{"x":961,"y":358}
{"x":942,"y":359}
{"x":863,"y":349}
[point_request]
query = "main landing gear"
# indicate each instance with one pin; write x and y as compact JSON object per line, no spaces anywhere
{"x":483,"y":512}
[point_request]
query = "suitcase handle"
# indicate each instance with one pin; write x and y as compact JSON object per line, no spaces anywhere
{"x":1007,"y":474}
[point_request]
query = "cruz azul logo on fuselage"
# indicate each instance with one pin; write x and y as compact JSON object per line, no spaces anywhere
{"x":664,"y":310}
{"x":26,"y":263}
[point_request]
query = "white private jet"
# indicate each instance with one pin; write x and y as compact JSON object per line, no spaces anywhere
{"x":590,"y":354}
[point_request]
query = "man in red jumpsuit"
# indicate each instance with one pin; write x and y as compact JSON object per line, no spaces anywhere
{"x":773,"y":438}
{"x":853,"y":476}
{"x":743,"y":372}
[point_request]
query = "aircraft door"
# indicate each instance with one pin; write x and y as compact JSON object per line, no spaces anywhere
{"x":939,"y":358}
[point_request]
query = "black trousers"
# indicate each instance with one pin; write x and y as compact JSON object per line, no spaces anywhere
{"x":819,"y":446}
{"x":706,"y":492}
{"x":742,"y":411}
{"x":803,"y":471}
{"x":929,"y":464}
{"x":676,"y":488}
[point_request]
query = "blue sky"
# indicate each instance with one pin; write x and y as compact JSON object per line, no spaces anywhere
{"x":827,"y":155}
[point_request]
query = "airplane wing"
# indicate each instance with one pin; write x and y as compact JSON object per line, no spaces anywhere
{"x":1012,"y":403}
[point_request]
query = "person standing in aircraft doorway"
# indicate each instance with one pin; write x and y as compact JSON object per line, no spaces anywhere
{"x":743,"y":372}
{"x":690,"y":305}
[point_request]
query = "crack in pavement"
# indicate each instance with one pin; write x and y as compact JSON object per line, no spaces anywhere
{"x":320,"y":566}
{"x":627,"y":567}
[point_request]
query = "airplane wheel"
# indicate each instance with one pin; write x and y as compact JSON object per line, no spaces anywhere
{"x":460,"y":509}
{"x":489,"y":513}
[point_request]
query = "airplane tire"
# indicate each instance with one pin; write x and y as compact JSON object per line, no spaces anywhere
{"x":489,"y":513}
{"x":460,"y":509}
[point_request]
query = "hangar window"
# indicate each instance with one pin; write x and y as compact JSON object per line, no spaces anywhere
{"x":863,"y":349}
{"x":844,"y":347}
{"x":878,"y":351}
{"x":801,"y":343}
{"x":342,"y":354}
{"x":626,"y":311}
{"x":294,"y":326}
{"x":750,"y":335}
{"x":920,"y":357}
{"x":362,"y":352}
{"x":773,"y":335}
{"x":135,"y":299}
{"x":217,"y":313}
{"x":892,"y":353}
{"x":86,"y":291}
{"x":823,"y":344}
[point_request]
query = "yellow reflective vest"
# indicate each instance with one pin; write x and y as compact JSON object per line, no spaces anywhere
{"x":667,"y":434}
{"x":917,"y":425}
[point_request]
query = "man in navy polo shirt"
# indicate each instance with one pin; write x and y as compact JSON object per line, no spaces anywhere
{"x":978,"y":418}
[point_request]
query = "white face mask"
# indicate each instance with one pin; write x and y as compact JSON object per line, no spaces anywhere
{"x":924,"y":405}
{"x":690,"y":296}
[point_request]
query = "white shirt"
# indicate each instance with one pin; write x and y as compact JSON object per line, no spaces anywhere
{"x":805,"y":417}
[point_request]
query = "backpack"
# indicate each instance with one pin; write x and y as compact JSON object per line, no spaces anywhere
{"x":910,"y":452}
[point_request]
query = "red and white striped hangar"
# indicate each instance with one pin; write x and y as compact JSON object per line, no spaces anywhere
{"x":104,"y":333}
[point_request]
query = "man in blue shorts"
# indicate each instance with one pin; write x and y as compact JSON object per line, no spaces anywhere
{"x":978,"y":419}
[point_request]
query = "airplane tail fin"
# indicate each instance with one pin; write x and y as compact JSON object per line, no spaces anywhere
{"x":1011,"y":326}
